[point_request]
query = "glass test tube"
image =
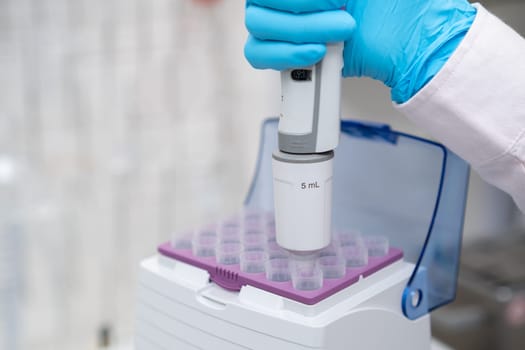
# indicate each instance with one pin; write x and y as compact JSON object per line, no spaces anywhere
{"x":377,"y":245}
{"x":333,"y":266}
{"x":355,"y":255}
{"x":253,"y":261}
{"x":278,"y":270}
{"x":228,"y":253}
{"x":203,"y":243}
{"x":254,"y":240}
{"x":306,"y":274}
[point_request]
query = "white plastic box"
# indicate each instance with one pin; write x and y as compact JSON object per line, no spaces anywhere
{"x":178,"y":308}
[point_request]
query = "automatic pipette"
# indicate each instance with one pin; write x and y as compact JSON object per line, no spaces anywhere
{"x":309,"y":129}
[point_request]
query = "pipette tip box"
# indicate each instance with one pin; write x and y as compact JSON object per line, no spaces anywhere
{"x":242,"y":251}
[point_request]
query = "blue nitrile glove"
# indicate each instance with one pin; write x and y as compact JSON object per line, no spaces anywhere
{"x":402,"y":43}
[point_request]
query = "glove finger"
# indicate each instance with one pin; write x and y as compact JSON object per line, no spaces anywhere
{"x":298,"y":6}
{"x":281,"y":55}
{"x":319,"y":27}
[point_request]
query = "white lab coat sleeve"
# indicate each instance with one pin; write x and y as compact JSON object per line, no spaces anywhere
{"x":475,"y":105}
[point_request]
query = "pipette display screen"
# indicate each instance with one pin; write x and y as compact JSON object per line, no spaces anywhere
{"x":301,"y":74}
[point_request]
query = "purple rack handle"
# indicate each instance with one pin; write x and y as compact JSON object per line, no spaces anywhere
{"x":232,"y":278}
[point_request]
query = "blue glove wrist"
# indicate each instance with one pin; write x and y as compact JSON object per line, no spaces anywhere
{"x":431,"y":60}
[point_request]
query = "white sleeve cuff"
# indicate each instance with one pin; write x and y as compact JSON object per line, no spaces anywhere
{"x":475,"y":105}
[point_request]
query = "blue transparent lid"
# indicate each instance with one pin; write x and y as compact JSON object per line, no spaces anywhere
{"x":398,"y":185}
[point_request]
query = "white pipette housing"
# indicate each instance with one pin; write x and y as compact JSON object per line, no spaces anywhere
{"x":309,"y":128}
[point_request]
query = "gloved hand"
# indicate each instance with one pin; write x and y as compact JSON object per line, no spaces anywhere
{"x":402,"y":43}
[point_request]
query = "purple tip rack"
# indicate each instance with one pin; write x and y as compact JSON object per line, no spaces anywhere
{"x":231,"y":277}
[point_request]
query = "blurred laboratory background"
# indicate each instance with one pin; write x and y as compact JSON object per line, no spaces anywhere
{"x":123,"y":121}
